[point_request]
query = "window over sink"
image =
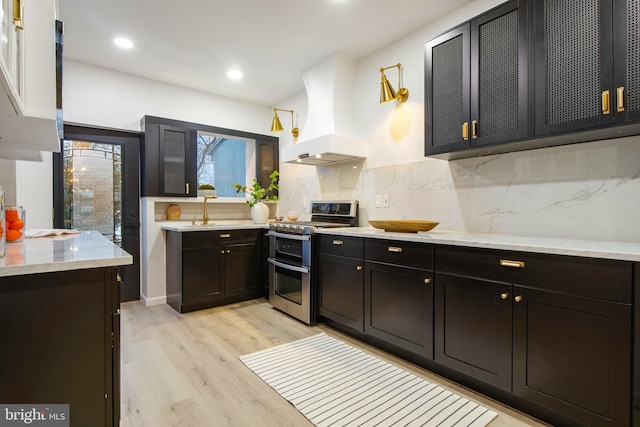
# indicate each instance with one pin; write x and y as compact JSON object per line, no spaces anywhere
{"x":223,"y":160}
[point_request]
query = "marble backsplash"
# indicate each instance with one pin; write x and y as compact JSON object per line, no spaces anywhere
{"x":583,"y":191}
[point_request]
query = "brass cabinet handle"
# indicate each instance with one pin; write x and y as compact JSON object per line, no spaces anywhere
{"x":427,"y":281}
{"x":465,"y":130}
{"x":359,"y":268}
{"x":395,"y":249}
{"x":228,"y":251}
{"x":18,"y":14}
{"x":510,"y":263}
{"x":620,"y":99}
{"x":222,"y":252}
{"x":118,"y":278}
{"x":605,"y":102}
{"x":338,"y":242}
{"x":474,"y":129}
{"x":518,"y":298}
{"x":504,"y":295}
{"x":186,"y":187}
{"x":225,"y":236}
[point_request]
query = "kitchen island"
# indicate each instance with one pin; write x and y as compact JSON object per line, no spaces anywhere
{"x":549,"y":326}
{"x":60,"y":341}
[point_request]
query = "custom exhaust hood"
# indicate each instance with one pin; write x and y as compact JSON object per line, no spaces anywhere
{"x":327,"y":136}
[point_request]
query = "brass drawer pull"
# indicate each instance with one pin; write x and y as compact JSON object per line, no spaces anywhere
{"x":395,"y":249}
{"x":427,"y":281}
{"x":474,"y":129}
{"x":359,"y":268}
{"x":186,"y":187}
{"x":338,"y":242}
{"x":518,"y":298}
{"x":504,"y":295}
{"x":509,"y":263}
{"x":465,"y":131}
{"x":605,"y":102}
{"x":225,"y":236}
{"x":620,"y":99}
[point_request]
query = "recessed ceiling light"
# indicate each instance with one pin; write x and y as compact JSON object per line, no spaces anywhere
{"x":234,"y":74}
{"x":123,"y":43}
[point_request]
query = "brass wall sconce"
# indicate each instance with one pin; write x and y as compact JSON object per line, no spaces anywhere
{"x":387,"y":93}
{"x":276,"y":126}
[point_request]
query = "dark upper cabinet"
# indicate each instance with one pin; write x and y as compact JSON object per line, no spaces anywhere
{"x":169,"y":156}
{"x":573,"y":65}
{"x":531,"y":74}
{"x":586,"y":64}
{"x":168,"y":160}
{"x":476,"y":82}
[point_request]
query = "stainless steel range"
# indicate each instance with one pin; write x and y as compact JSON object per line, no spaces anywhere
{"x":291,"y":278}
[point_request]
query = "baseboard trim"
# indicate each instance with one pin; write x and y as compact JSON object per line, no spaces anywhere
{"x":148,"y":302}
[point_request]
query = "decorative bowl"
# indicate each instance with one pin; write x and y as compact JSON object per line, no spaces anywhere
{"x":403,"y":225}
{"x":292,"y":215}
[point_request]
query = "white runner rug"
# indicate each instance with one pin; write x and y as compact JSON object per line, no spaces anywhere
{"x":334,"y":384}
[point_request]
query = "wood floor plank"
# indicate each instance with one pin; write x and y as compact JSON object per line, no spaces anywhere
{"x":185,"y":369}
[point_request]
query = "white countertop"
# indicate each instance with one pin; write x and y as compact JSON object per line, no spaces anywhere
{"x":625,"y":251}
{"x":88,"y":249}
{"x":186,"y":226}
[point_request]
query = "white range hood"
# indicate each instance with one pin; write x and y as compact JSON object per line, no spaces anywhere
{"x":327,"y":136}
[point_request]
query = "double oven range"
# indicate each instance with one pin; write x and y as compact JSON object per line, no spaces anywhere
{"x":291,"y":277}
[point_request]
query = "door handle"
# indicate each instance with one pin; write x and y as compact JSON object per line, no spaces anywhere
{"x":474,"y":129}
{"x":620,"y":99}
{"x":465,"y":131}
{"x":605,"y":103}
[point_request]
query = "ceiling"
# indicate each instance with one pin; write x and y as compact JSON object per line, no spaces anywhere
{"x":192,"y":43}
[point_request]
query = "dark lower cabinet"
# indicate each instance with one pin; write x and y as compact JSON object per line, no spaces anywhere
{"x":341,"y":290}
{"x":572,"y":355}
{"x":340,"y":278}
{"x":552,"y":335}
{"x":399,"y":306}
{"x":210,"y":268}
{"x":473,"y":328}
{"x":60,"y":343}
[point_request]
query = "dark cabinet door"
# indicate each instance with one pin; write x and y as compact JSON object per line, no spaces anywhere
{"x":241,"y":269}
{"x":573,"y":65}
{"x":399,"y":306}
{"x":499,"y":61}
{"x":177,"y":162}
{"x":341,"y":290}
{"x":572,"y":355}
{"x":476,"y":82}
{"x":626,"y":36}
{"x":473,"y":328}
{"x":201,"y":275}
{"x":447,"y":89}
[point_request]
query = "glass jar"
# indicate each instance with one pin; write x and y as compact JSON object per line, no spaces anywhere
{"x":2,"y":224}
{"x":15,"y":217}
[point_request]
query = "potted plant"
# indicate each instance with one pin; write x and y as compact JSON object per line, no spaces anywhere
{"x":258,"y":195}
{"x":206,"y":190}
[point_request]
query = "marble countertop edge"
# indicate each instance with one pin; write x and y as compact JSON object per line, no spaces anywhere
{"x":625,"y":251}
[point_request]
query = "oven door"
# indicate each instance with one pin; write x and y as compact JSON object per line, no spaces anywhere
{"x":290,"y":289}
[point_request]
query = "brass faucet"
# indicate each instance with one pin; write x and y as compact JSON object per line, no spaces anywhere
{"x":205,"y":215}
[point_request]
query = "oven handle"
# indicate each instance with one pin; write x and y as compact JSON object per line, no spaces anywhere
{"x":288,"y":267}
{"x":302,"y":237}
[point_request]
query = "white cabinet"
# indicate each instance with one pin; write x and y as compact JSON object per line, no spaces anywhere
{"x":11,"y":58}
{"x":28,"y":116}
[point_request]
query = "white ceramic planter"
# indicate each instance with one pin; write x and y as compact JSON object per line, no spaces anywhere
{"x":260,"y":213}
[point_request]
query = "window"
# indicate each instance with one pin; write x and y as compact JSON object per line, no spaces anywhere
{"x":224,"y":160}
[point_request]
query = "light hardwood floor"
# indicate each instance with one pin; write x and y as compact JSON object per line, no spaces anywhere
{"x":184,"y":369}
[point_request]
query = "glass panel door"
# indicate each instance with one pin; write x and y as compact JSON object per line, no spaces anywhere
{"x":93,"y":187}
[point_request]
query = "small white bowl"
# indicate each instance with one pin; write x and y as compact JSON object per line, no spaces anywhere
{"x":292,"y":215}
